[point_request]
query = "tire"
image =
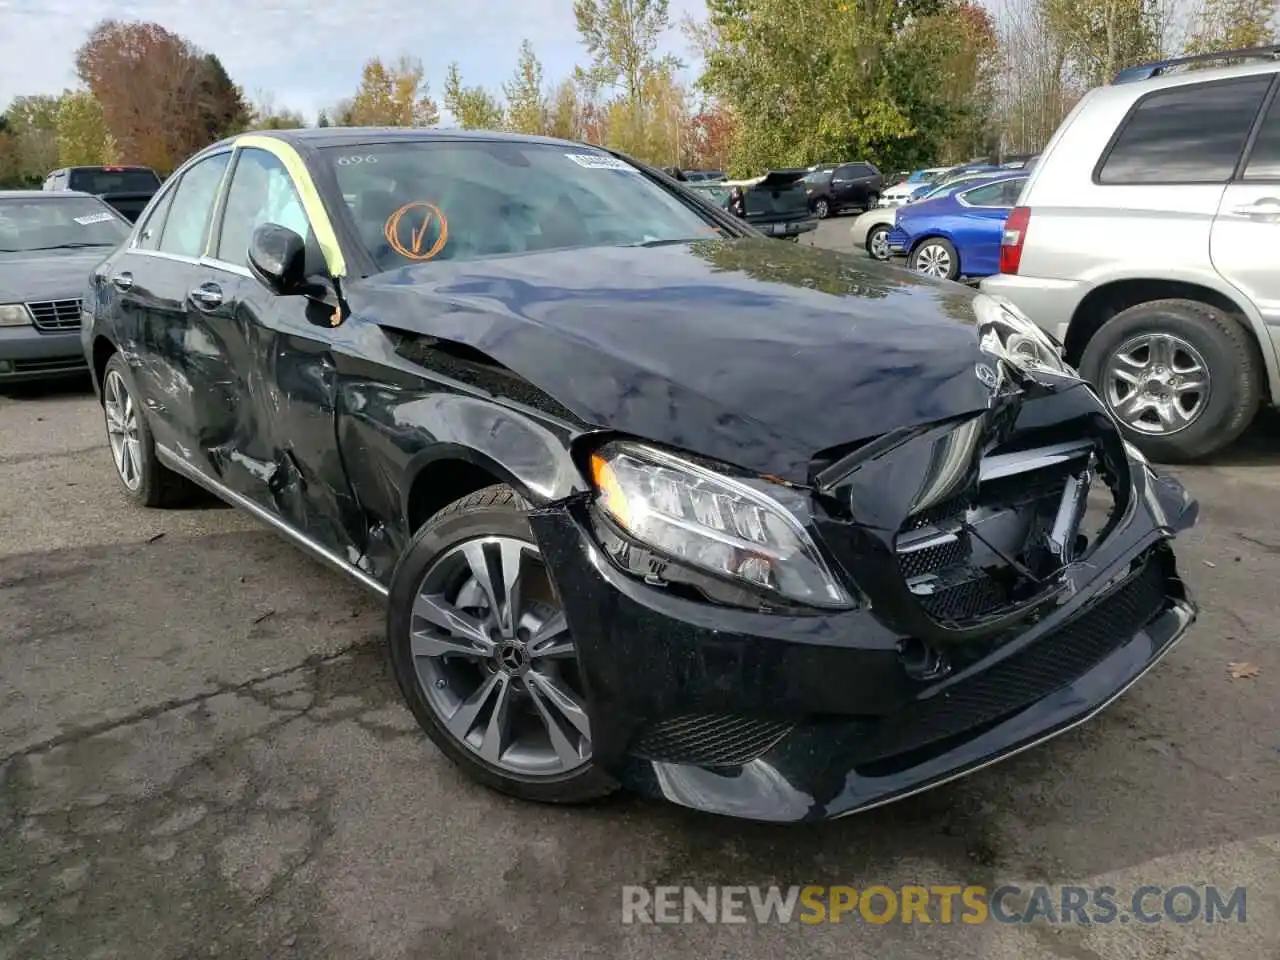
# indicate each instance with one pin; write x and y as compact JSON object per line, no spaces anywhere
{"x":133,"y":451}
{"x":938,"y":252}
{"x":430,"y":682}
{"x":822,"y":208}
{"x":877,"y":243}
{"x":872,"y":200}
{"x":1207,"y":335}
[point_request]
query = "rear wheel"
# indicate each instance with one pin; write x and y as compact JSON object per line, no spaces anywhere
{"x":936,"y":257}
{"x":1183,"y":378}
{"x":133,"y":451}
{"x":482,"y":653}
{"x":877,"y":243}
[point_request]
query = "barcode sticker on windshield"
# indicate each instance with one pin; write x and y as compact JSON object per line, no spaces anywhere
{"x":94,"y":218}
{"x":599,"y":161}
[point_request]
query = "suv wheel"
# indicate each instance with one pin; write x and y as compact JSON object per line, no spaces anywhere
{"x":1183,"y":378}
{"x":133,"y":450}
{"x":936,"y":257}
{"x":873,"y":201}
{"x":481,"y":651}
{"x":822,"y":209}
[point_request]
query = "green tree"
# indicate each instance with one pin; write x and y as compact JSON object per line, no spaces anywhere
{"x":33,"y":127}
{"x":621,"y":37}
{"x":83,"y":138}
{"x":1234,"y":25}
{"x":220,"y":109}
{"x":474,"y":108}
{"x":322,"y":120}
{"x":564,"y":113}
{"x":526,"y":105}
{"x":1102,"y":37}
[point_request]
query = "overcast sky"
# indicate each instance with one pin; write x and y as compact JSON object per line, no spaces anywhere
{"x":308,"y":53}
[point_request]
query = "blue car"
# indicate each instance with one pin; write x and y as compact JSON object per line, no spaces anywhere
{"x":958,"y":233}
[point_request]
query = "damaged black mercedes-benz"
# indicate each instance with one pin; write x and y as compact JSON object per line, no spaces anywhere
{"x":655,"y":502}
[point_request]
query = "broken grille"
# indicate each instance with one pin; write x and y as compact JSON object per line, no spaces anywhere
{"x":975,"y":555}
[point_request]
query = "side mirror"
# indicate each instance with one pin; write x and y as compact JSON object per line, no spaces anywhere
{"x":278,"y":258}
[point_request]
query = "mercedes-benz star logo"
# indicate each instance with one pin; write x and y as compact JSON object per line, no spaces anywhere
{"x":512,"y":657}
{"x":987,"y":375}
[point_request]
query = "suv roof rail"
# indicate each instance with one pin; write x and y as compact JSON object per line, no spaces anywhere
{"x":1156,"y":68}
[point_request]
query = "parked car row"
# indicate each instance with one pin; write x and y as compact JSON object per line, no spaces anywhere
{"x":653,"y":502}
{"x":1143,"y":240}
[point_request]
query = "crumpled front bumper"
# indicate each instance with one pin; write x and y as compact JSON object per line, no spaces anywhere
{"x":837,"y":727}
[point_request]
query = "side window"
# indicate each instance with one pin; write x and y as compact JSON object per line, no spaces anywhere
{"x":1264,"y":161}
{"x":988,"y":196}
{"x":1190,"y":134}
{"x":261,"y":192}
{"x":149,"y":235}
{"x":192,"y":205}
{"x":857,"y":171}
{"x":1012,"y":190}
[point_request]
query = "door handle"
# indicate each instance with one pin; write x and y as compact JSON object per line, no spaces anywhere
{"x":1265,"y":207}
{"x":207,"y":296}
{"x":122,"y":281}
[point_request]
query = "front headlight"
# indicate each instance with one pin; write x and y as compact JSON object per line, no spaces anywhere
{"x":1005,"y":333}
{"x":743,"y":529}
{"x":14,"y":315}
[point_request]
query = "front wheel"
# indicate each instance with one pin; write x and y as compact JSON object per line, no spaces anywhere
{"x":873,"y":201}
{"x":937,"y":258}
{"x":482,"y":653}
{"x":877,"y":243}
{"x":1182,"y":377}
{"x":822,"y":208}
{"x":133,"y":451}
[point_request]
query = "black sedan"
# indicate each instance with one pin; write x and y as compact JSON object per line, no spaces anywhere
{"x":653,"y":501}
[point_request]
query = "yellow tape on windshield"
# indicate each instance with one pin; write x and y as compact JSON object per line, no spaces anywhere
{"x":308,"y":194}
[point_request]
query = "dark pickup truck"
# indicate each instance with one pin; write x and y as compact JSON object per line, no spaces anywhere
{"x":128,"y":188}
{"x":775,"y":204}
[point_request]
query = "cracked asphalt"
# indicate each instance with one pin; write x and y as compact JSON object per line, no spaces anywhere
{"x":202,"y":754}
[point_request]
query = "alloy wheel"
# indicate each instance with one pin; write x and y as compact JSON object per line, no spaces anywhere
{"x":878,"y":244}
{"x":495,"y":661}
{"x":1156,"y":383}
{"x":122,"y":430}
{"x":934,"y":260}
{"x":821,"y":209}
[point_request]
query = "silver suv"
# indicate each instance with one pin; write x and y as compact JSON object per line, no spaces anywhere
{"x":1148,"y":241}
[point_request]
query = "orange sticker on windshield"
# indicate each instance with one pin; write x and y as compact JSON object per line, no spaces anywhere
{"x":428,"y":230}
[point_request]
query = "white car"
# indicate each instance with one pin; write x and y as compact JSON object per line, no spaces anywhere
{"x":900,"y":193}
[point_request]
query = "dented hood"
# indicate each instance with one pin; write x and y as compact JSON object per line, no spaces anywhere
{"x":753,"y":352}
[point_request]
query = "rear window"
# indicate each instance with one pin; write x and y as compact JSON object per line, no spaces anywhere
{"x":1189,"y":134}
{"x":114,"y":181}
{"x":415,"y":201}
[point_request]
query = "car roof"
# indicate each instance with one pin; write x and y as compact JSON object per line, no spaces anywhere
{"x":348,"y":136}
{"x":43,"y":194}
{"x":1133,"y":89}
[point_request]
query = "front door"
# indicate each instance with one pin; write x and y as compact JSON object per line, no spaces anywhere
{"x":286,"y":439}
{"x":1246,"y":232}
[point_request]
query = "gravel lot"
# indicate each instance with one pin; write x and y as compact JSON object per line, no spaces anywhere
{"x":203,"y":754}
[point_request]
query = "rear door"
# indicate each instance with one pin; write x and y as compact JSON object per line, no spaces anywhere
{"x":190,"y":388}
{"x":1245,"y":242}
{"x":979,"y":234}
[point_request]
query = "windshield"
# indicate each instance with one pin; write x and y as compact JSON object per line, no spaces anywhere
{"x":50,"y":223}
{"x":102,"y":181}
{"x":469,"y":199}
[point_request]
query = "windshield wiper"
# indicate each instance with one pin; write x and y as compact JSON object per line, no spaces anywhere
{"x":662,"y":243}
{"x":64,"y":246}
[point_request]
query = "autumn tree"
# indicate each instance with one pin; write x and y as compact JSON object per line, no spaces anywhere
{"x":149,"y":82}
{"x":564,"y":111}
{"x":712,"y":130}
{"x":394,"y":96}
{"x":83,"y":138}
{"x":473,"y":108}
{"x":1102,"y":37}
{"x":526,"y":105}
{"x":221,"y":109}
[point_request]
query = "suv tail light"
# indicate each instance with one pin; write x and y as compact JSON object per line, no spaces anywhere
{"x":1015,"y":234}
